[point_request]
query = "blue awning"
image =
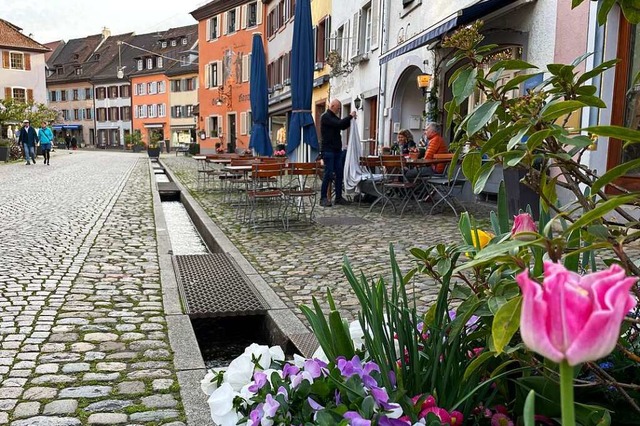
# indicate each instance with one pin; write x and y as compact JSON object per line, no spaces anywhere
{"x":462,"y":17}
{"x":66,"y":126}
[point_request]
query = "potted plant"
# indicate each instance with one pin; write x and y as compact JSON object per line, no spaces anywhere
{"x":153,"y":150}
{"x":134,"y":140}
{"x":5,"y":149}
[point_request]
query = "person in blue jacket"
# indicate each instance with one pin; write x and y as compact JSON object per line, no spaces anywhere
{"x":46,"y":139}
{"x":28,"y":138}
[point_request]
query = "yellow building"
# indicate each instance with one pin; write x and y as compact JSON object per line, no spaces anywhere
{"x":321,"y":19}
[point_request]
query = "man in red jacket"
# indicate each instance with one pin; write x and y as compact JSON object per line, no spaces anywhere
{"x":436,"y":145}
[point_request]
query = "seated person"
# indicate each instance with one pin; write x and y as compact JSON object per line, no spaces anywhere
{"x":219,"y":149}
{"x":436,"y":145}
{"x":405,"y":141}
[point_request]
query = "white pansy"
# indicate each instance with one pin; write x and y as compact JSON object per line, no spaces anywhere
{"x":277,"y":354}
{"x":270,"y":371}
{"x":239,"y":372}
{"x":209,"y":383}
{"x":221,"y":400}
{"x":246,"y":393}
{"x":319,"y":354}
{"x":357,"y":334}
{"x":260,"y":353}
{"x":394,"y":411}
{"x":298,"y":360}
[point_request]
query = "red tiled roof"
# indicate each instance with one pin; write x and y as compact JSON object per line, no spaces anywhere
{"x":11,"y":37}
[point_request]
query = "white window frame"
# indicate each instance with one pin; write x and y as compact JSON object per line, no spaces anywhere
{"x":162,"y":110}
{"x":21,"y":55}
{"x":13,"y":93}
{"x":214,"y":133}
{"x":184,"y":41}
{"x":367,"y":15}
{"x":140,"y":64}
{"x":174,"y":43}
{"x":159,"y":62}
{"x":149,"y":63}
{"x":164,"y":44}
{"x":162,"y":86}
{"x":153,"y":111}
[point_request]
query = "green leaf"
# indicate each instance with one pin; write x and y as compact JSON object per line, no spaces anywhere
{"x":581,"y":58}
{"x":498,"y":137}
{"x":589,"y":90}
{"x":555,"y":68}
{"x":599,"y":212}
{"x":516,"y":81}
{"x":517,"y":138}
{"x":529,"y":409}
{"x":557,"y":109}
{"x":503,"y":210}
{"x":481,"y":116}
{"x":604,"y":9}
{"x":592,"y":101}
{"x":572,"y":261}
{"x":465,"y":228}
{"x":579,"y":141}
{"x":464,"y":84}
{"x":597,"y":70}
{"x":613,"y":174}
{"x":617,"y":132}
{"x":482,"y":176}
{"x":535,"y":140}
{"x":477,"y":363}
{"x":548,"y":189}
{"x":511,"y":64}
{"x":506,"y":323}
{"x":631,"y":10}
{"x":471,"y":163}
{"x":513,"y":158}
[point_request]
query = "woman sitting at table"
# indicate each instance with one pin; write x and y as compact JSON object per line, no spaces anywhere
{"x":436,"y":145}
{"x":405,"y":141}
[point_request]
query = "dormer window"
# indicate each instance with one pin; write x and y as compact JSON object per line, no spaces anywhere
{"x":174,"y":43}
{"x":78,"y":70}
{"x":184,"y":41}
{"x":76,"y":56}
{"x":164,"y":44}
{"x":59,"y":70}
{"x":97,"y":57}
{"x":140,"y":64}
{"x":159,"y":62}
{"x":149,"y":63}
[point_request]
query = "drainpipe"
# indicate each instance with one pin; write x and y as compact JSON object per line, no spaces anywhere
{"x":382,"y":88}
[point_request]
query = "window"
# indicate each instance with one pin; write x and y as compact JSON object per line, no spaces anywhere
{"x":78,"y":70}
{"x":231,"y":21}
{"x":16,"y":61}
{"x":191,"y":84}
{"x":101,"y":93}
{"x":53,"y":96}
{"x":164,"y":44}
{"x":176,"y":111}
{"x":59,"y":70}
{"x":143,"y":111}
{"x":215,"y":74}
{"x":149,"y":63}
{"x":214,"y":124}
{"x":189,"y":111}
{"x":19,"y":95}
{"x":214,"y":30}
{"x":88,"y":93}
{"x":63,"y":95}
{"x":173,"y":43}
{"x":252,"y":14}
{"x":65,"y":114}
{"x":125,"y":113}
{"x":101,"y":114}
{"x":152,"y":87}
{"x":153,"y":111}
{"x":113,"y":92}
{"x":88,"y":114}
{"x":322,"y":31}
{"x":140,"y":64}
{"x":175,"y":85}
{"x":76,"y":114}
{"x":162,"y":87}
{"x":366,"y":13}
{"x":114,"y":114}
{"x":162,"y":110}
{"x":184,"y":41}
{"x":75,"y":95}
{"x":125,"y":91}
{"x":159,"y":62}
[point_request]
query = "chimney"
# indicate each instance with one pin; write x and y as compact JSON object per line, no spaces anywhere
{"x":106,"y":32}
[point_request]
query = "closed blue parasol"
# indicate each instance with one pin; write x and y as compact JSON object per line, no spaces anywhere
{"x":302,"y":56}
{"x":260,"y":141}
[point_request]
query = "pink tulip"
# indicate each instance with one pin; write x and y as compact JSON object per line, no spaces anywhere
{"x":572,"y":317}
{"x":523,"y":223}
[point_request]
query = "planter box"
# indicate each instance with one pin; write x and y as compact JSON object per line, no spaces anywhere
{"x":519,"y":195}
{"x":153,"y":152}
{"x":4,"y":153}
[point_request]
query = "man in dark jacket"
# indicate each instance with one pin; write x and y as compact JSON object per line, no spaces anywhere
{"x":28,"y":138}
{"x":330,"y":127}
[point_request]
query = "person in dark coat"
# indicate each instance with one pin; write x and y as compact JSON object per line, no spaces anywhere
{"x":67,"y":140}
{"x":28,"y":138}
{"x":330,"y":127}
{"x":74,"y":143}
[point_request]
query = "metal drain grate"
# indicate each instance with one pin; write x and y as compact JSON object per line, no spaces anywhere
{"x":212,"y":286}
{"x":306,"y":343}
{"x":341,"y":220}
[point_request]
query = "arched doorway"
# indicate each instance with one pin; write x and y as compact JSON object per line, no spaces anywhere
{"x":408,"y":104}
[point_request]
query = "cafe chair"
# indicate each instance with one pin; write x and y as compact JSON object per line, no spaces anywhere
{"x":445,"y":189}
{"x":396,"y":185}
{"x":301,"y":192}
{"x":371,"y":182}
{"x":265,"y":198}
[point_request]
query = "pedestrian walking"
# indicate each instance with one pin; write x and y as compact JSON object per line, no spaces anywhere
{"x":46,"y":139}
{"x":330,"y":127}
{"x":28,"y":138}
{"x":67,"y":140}
{"x":74,"y":142}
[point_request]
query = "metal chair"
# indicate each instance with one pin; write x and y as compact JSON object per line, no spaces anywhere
{"x":301,"y":192}
{"x":443,"y":188}
{"x":368,"y":165}
{"x":396,"y":184}
{"x":265,"y":198}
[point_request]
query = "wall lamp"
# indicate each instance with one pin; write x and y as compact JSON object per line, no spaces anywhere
{"x":202,"y":134}
{"x":224,"y":96}
{"x":424,"y":80}
{"x":357,"y":102}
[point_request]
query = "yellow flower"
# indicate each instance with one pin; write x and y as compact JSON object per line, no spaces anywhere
{"x":484,"y":238}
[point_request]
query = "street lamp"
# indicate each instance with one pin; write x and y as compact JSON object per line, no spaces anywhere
{"x":357,"y":102}
{"x":120,"y":69}
{"x":224,"y":96}
{"x":424,"y":80}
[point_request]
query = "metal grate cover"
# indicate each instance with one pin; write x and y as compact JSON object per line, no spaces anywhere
{"x":341,"y":220}
{"x":212,"y":286}
{"x":306,"y":343}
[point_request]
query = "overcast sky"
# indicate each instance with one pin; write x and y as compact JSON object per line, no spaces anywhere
{"x":51,"y":20}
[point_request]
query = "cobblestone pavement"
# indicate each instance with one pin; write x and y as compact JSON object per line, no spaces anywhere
{"x":300,"y":264}
{"x":83,"y":338}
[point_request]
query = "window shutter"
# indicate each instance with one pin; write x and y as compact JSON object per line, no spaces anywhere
{"x":29,"y":95}
{"x":327,"y":36}
{"x":224,"y":22}
{"x":316,"y":43}
{"x":344,"y":53}
{"x":245,"y":68}
{"x":7,"y":93}
{"x":27,"y":61}
{"x":5,"y":59}
{"x":219,"y":73}
{"x":375,"y":13}
{"x":244,"y":16}
{"x":355,"y":34}
{"x":237,"y":23}
{"x":208,"y":35}
{"x":207,"y":76}
{"x":243,"y":123}
{"x":259,"y":12}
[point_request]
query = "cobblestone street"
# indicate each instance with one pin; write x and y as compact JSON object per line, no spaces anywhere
{"x":83,"y":334}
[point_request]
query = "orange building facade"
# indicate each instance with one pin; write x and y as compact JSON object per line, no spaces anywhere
{"x":225,"y":31}
{"x":150,"y":103}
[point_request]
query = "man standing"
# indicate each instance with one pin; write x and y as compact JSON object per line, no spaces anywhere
{"x":330,"y":127}
{"x":28,"y":138}
{"x":46,"y":139}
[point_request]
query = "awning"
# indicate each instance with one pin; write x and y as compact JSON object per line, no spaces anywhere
{"x":154,"y":125}
{"x":183,"y":127}
{"x":66,"y":126}
{"x":462,"y":17}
